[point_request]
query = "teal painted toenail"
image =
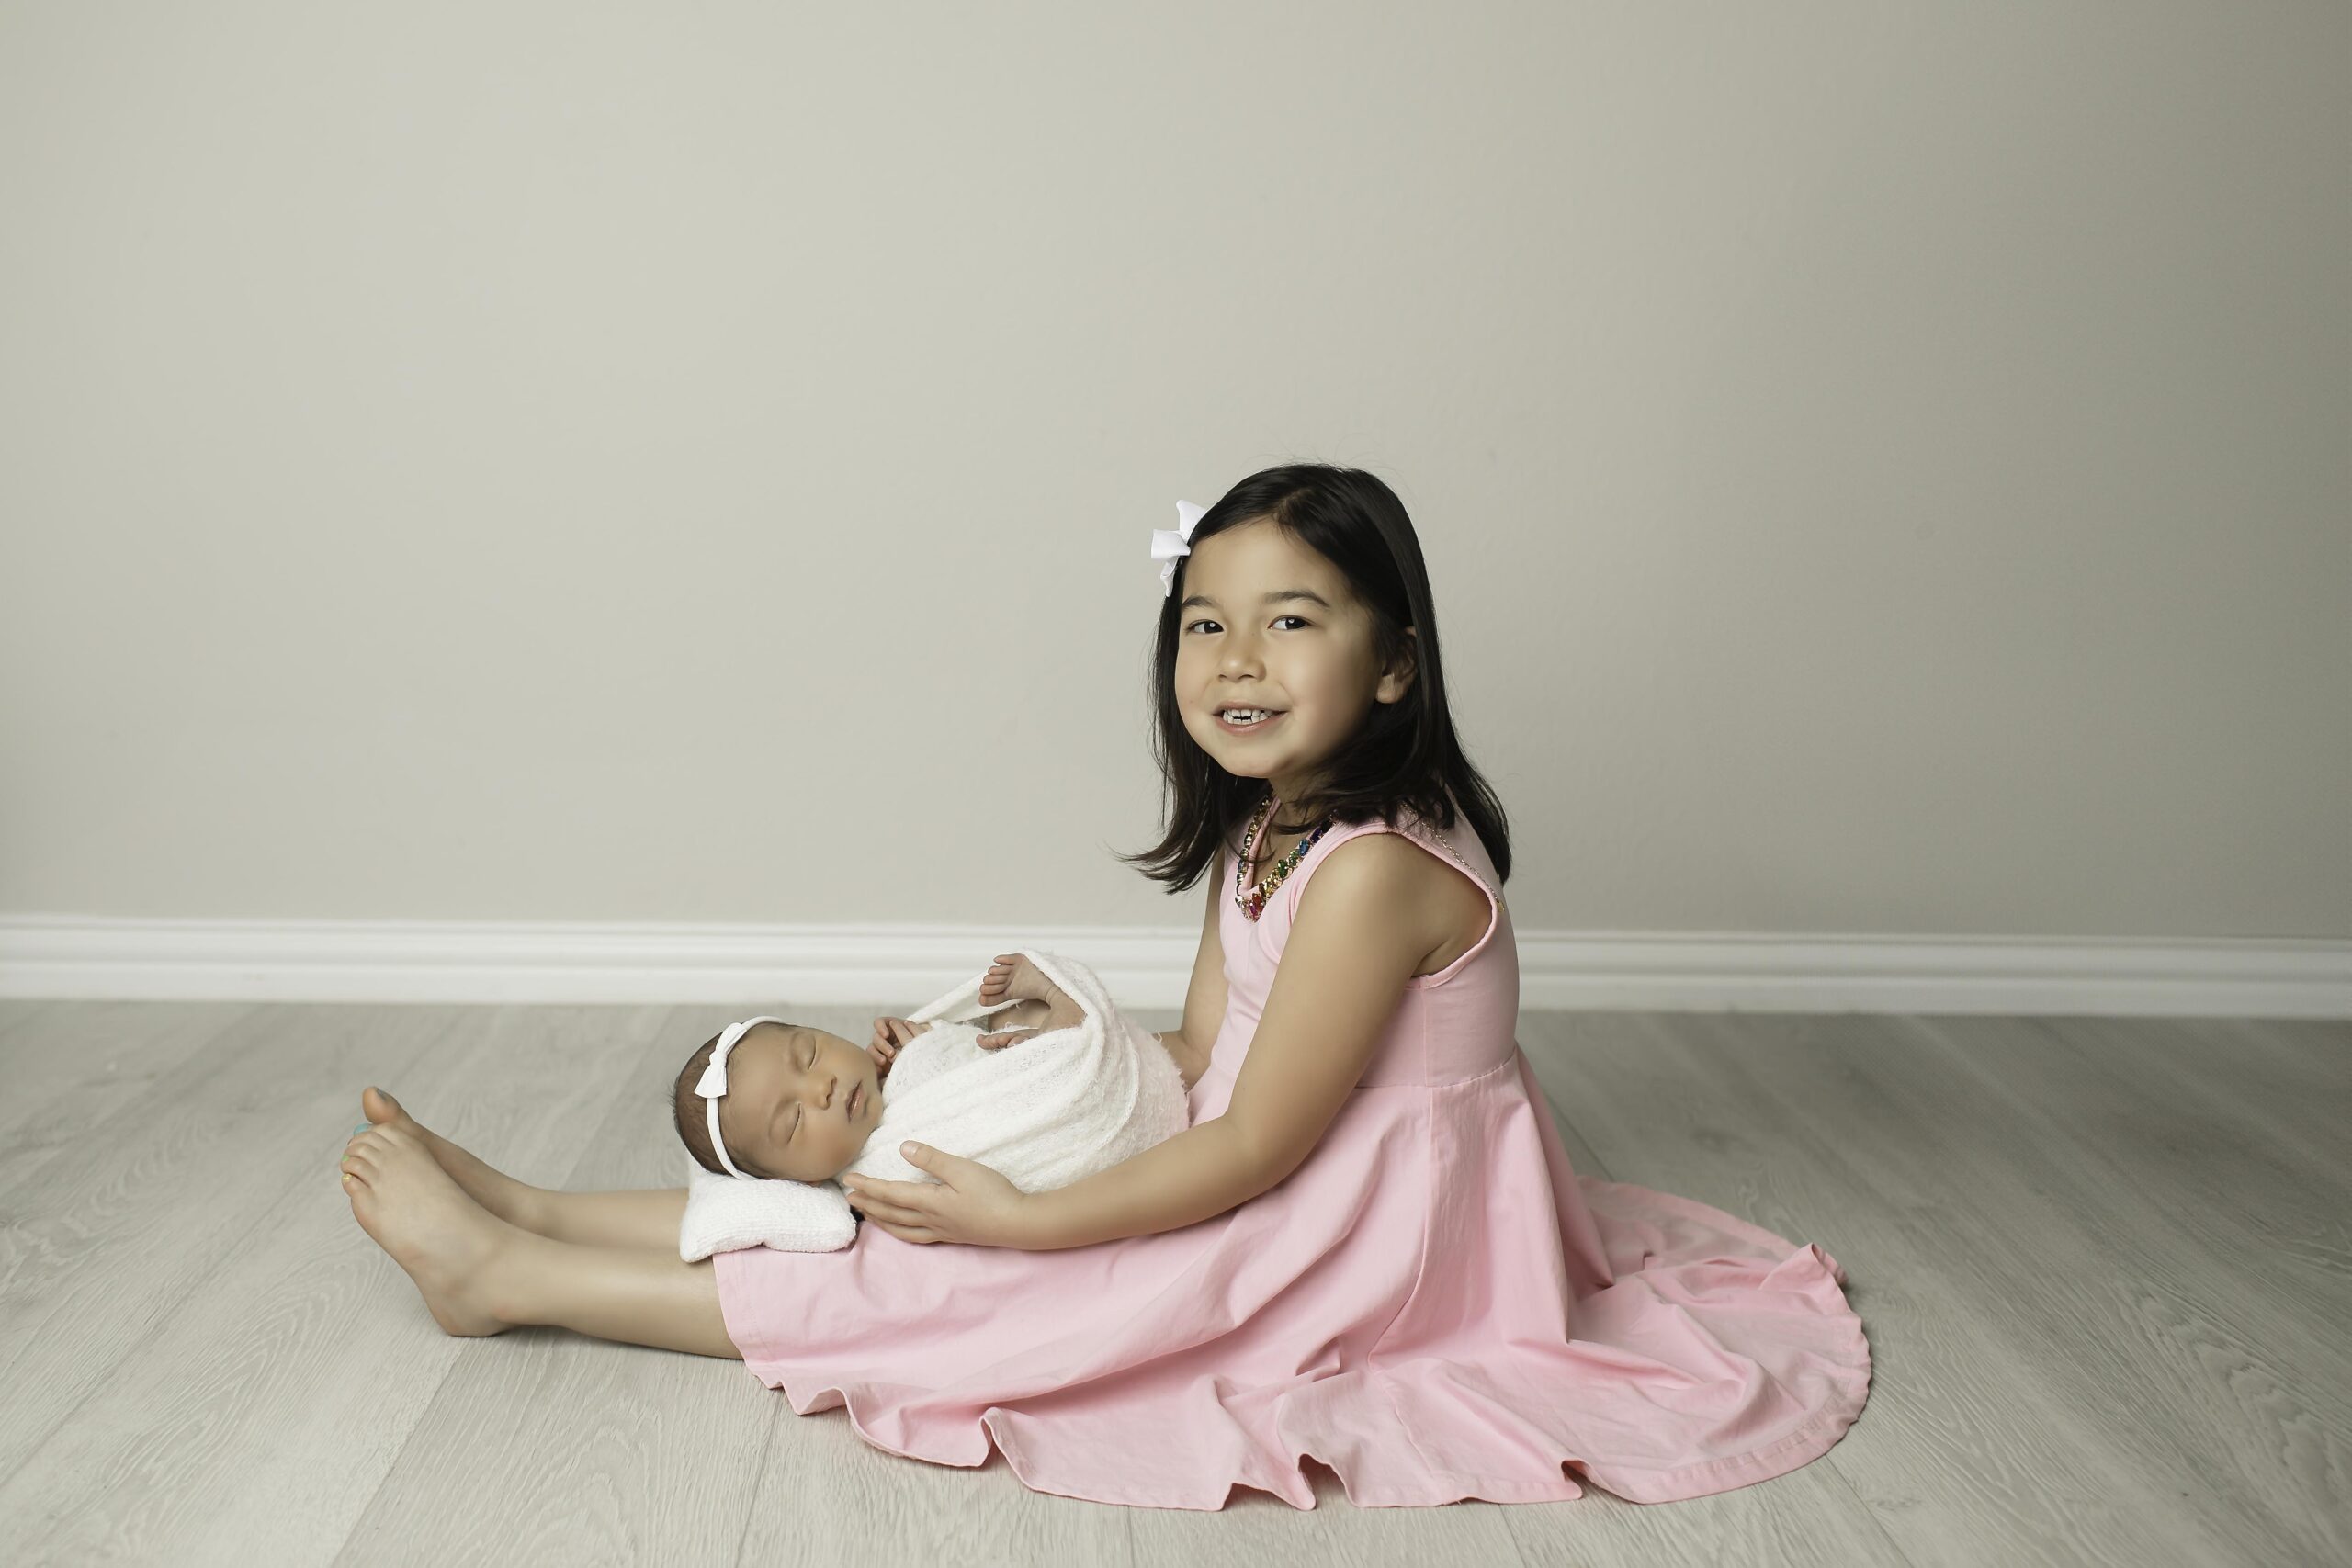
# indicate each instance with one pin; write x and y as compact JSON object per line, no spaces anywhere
{"x":363,"y":1126}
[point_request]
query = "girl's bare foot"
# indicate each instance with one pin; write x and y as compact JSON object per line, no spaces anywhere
{"x":448,"y":1244}
{"x":516,"y":1203}
{"x":1014,"y":978}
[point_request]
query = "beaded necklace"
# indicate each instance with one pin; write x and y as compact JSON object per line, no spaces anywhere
{"x":1252,"y":901}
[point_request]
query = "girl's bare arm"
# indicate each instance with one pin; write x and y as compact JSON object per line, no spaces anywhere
{"x":1204,"y":998}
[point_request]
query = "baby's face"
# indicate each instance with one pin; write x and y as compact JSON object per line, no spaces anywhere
{"x":787,"y":1111}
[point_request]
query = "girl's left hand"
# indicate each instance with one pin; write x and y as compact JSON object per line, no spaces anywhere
{"x":969,"y":1203}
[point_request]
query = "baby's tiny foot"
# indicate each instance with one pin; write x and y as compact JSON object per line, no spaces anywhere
{"x":1007,"y":1035}
{"x":1013,"y":976}
{"x":1061,"y":1012}
{"x":445,"y":1242}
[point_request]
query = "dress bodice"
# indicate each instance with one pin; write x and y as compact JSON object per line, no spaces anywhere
{"x":1455,"y":1023}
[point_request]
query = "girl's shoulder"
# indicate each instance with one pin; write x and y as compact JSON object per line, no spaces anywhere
{"x":1423,"y":857}
{"x":1458,"y":844}
{"x":1384,"y":882}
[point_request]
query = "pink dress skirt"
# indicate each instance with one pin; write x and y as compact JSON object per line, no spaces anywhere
{"x":1434,"y":1304}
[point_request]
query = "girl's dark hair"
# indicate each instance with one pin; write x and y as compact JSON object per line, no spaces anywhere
{"x":1405,"y":754}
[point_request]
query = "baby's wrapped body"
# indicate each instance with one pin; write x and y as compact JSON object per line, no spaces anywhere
{"x":1049,"y":1110}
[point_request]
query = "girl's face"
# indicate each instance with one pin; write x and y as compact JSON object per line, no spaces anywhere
{"x":1267,"y":623}
{"x":786,"y":1112}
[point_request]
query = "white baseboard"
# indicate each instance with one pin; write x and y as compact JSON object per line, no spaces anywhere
{"x":433,"y":961}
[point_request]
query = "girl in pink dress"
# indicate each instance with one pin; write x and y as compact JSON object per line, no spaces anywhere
{"x":1369,"y":1246}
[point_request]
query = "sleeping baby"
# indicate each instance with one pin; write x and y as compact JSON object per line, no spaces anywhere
{"x":800,"y":1104}
{"x":771,"y":1114}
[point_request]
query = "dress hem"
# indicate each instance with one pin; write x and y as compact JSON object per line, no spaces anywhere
{"x":1728,"y":1473}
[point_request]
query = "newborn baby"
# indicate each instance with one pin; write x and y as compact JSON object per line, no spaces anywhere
{"x":800,"y":1104}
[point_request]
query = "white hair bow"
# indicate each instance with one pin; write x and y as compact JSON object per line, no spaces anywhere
{"x":1167,"y":544}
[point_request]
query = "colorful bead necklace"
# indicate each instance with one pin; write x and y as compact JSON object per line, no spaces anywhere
{"x":1252,"y":901}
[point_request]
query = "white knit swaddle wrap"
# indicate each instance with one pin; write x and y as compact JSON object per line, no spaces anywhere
{"x":1044,"y":1111}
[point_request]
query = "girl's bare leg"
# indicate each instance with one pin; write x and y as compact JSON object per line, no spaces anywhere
{"x":647,"y":1217}
{"x":634,"y":1294}
{"x":481,"y":1274}
{"x":644,"y":1217}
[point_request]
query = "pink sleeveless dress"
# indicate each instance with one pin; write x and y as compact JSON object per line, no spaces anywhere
{"x":1433,"y":1304}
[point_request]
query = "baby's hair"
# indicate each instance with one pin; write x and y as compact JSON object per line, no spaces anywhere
{"x":687,"y":1107}
{"x":1405,"y":754}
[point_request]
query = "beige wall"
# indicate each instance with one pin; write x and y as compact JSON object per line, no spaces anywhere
{"x":1880,"y":472}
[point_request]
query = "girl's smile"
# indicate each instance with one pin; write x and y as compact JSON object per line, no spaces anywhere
{"x":1250,"y":728}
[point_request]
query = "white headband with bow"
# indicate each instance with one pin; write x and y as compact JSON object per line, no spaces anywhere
{"x":1167,"y":544}
{"x":713,"y":1083}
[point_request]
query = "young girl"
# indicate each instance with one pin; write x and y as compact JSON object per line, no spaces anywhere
{"x":1369,"y":1246}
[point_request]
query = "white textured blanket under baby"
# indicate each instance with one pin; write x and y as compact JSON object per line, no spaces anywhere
{"x":1044,"y":1111}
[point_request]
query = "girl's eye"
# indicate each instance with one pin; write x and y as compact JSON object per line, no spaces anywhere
{"x":1300,"y":619}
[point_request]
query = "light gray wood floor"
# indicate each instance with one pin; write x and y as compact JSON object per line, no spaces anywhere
{"x":2103,"y":1265}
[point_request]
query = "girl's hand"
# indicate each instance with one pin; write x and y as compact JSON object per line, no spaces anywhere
{"x":969,"y":1203}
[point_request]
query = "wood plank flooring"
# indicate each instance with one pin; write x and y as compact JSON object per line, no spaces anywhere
{"x":2105,"y":1266}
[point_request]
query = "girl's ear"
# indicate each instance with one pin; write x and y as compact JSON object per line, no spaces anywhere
{"x":1398,"y":678}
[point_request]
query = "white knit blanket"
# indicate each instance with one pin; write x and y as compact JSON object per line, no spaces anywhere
{"x":1044,"y":1111}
